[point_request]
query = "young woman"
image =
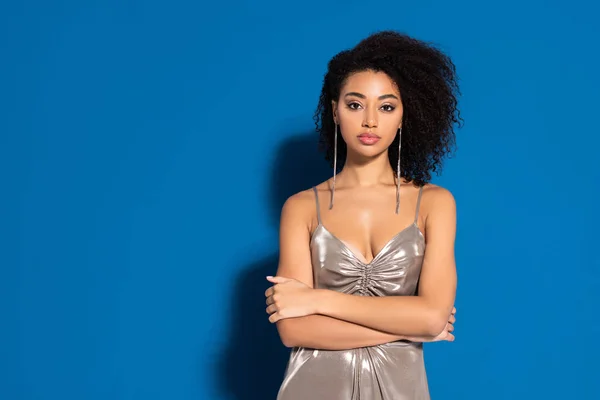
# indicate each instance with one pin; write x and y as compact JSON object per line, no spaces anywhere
{"x":367,"y":270}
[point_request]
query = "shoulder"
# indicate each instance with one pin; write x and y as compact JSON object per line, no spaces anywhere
{"x":437,"y":199}
{"x":437,"y":193}
{"x":300,"y":206}
{"x":304,"y":201}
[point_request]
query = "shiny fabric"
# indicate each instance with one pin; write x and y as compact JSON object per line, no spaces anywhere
{"x":392,"y":371}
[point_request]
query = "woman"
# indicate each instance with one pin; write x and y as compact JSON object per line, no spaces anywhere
{"x":356,"y":293}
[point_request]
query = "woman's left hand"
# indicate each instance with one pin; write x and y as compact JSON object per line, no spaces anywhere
{"x":289,"y":298}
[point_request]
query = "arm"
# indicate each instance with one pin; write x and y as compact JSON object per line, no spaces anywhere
{"x":326,"y":333}
{"x":314,"y":331}
{"x":422,"y":315}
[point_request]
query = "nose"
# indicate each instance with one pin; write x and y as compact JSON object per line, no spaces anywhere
{"x":370,"y":120}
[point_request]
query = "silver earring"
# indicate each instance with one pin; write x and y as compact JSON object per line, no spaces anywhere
{"x":398,"y":171}
{"x":335,"y":147}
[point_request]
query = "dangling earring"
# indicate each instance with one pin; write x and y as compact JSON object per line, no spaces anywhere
{"x":335,"y":147}
{"x":398,"y":171}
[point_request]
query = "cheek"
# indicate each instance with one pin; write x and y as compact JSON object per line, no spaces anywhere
{"x":392,"y":124}
{"x":345,"y":114}
{"x":350,"y":120}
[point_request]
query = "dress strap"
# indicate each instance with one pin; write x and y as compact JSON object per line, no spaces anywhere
{"x":418,"y":204}
{"x":317,"y":203}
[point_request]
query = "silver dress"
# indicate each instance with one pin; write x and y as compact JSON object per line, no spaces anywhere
{"x":392,"y":371}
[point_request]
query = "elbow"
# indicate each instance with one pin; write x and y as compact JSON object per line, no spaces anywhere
{"x":286,"y":333}
{"x":436,"y":323}
{"x":288,"y":341}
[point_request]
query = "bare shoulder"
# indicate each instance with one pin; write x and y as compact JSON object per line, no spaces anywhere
{"x":437,"y":193}
{"x":438,"y":200}
{"x":300,"y":202}
{"x":299,"y":207}
{"x":303,"y":202}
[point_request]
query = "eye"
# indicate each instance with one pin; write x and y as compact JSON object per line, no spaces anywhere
{"x":388,"y":107}
{"x":353,"y":106}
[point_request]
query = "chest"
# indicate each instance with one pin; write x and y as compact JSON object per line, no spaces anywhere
{"x":394,"y":269}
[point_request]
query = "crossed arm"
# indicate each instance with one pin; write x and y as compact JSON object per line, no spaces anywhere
{"x":324,"y":319}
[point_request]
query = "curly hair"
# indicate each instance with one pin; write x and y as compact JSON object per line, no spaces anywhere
{"x":427,"y":81}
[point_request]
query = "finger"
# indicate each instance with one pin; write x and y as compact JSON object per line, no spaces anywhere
{"x":270,"y":300}
{"x":269,"y":291}
{"x":277,"y":279}
{"x":450,"y":337}
{"x":453,"y":310}
{"x":450,"y":328}
{"x":271,"y":309}
{"x":274,"y":318}
{"x":452,"y":319}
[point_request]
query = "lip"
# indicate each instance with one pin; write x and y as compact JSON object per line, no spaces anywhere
{"x":369,"y":134}
{"x":368,"y":138}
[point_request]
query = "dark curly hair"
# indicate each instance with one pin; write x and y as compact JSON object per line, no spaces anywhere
{"x":427,"y":81}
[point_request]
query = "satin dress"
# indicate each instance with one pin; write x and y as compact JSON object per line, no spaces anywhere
{"x":392,"y":371}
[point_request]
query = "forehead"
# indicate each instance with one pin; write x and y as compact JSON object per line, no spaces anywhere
{"x":370,"y":83}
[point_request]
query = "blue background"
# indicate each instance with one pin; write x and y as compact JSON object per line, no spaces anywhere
{"x":147,"y":147}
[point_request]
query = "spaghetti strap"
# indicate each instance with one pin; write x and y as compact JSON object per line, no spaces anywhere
{"x":418,"y":204}
{"x":317,"y":203}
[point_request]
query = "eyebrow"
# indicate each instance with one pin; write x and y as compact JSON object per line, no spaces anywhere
{"x":362,"y":96}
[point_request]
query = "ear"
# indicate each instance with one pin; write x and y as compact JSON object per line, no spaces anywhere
{"x":335,"y":112}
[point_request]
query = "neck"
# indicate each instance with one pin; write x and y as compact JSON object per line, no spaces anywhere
{"x":367,"y":173}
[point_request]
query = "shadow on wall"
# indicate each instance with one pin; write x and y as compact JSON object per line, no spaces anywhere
{"x":254,"y":360}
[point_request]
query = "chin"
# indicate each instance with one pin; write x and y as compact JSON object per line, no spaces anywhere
{"x":367,"y":151}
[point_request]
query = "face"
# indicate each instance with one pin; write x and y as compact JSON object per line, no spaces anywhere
{"x":369,"y":113}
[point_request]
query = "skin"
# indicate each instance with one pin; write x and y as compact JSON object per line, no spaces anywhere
{"x":324,"y":319}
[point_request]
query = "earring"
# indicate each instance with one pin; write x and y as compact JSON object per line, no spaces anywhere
{"x":335,"y":148}
{"x":398,"y":171}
